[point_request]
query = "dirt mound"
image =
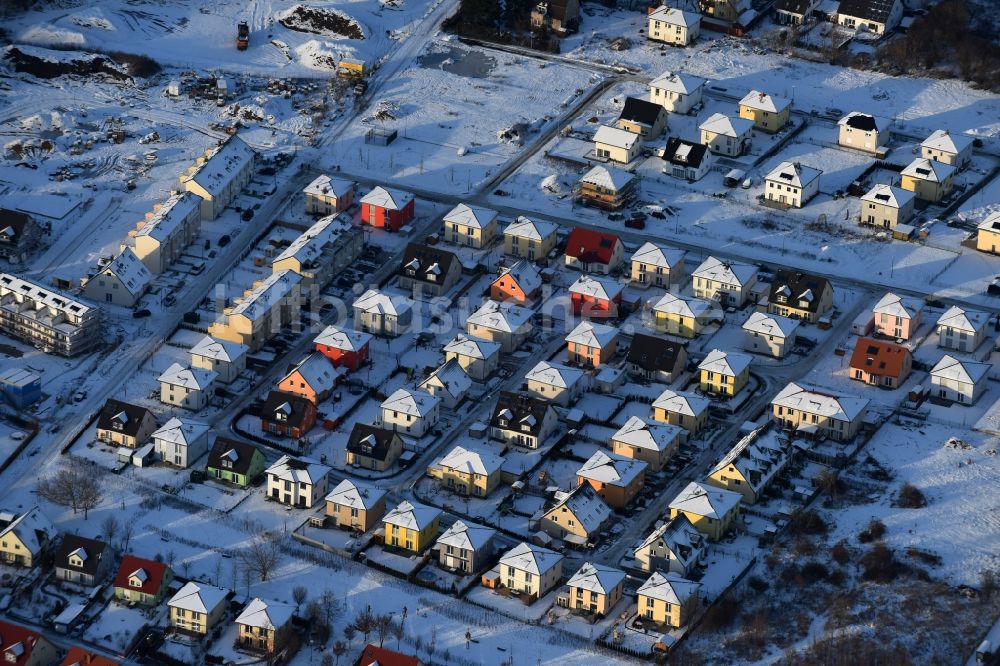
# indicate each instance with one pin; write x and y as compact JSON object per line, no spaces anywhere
{"x":326,"y":22}
{"x":46,"y":64}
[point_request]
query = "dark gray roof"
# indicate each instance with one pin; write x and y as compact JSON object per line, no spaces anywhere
{"x":121,"y":417}
{"x":862,"y":122}
{"x":277,"y":399}
{"x":795,"y":284}
{"x":94,"y":549}
{"x":519,"y":410}
{"x":419,"y":261}
{"x":653,"y":353}
{"x":684,"y":153}
{"x":370,"y":441}
{"x":641,"y":111}
{"x":870,"y":10}
{"x":243,"y":455}
{"x":799,"y":7}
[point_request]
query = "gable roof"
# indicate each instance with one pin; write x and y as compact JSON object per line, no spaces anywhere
{"x":520,"y":410}
{"x":841,"y":408}
{"x":344,"y":339}
{"x":299,"y":470}
{"x":756,"y":99}
{"x":379,"y":656}
{"x":451,"y":377}
{"x":522,"y":227}
{"x":596,"y":578}
{"x":371,"y":441}
{"x":758,"y":456}
{"x":427,"y":263}
{"x":653,"y":353}
{"x":531,"y":558}
{"x":33,"y":529}
{"x":554,"y":374}
{"x":592,"y":334}
{"x":797,"y":287}
{"x":725,"y":363}
{"x":412,"y":515}
{"x":475,"y":217}
{"x":794,"y":174}
{"x":878,"y":357}
{"x":266,"y":614}
{"x":653,"y":437}
{"x":294,"y":407}
{"x":505,"y":317}
{"x":670,"y":588}
{"x":887,"y":195}
{"x":769,"y":324}
{"x":612,"y":469}
{"x":198,"y":597}
{"x":657,"y":254}
{"x":944,"y":141}
{"x":871,"y":10}
{"x":182,"y":433}
{"x":130,"y":271}
{"x":606,"y":289}
{"x":239,"y":454}
{"x":316,"y":371}
{"x":968,"y":372}
{"x":469,"y":536}
{"x":607,"y":177}
{"x":681,"y":402}
{"x":897,"y":306}
{"x":223,"y":163}
{"x":704,"y":500}
{"x":524,"y":274}
{"x":991,"y":223}
{"x":267,"y":294}
{"x":586,"y":506}
{"x":732,"y":273}
{"x":864,"y":122}
{"x":685,"y":153}
{"x":165,"y":218}
{"x":799,"y":7}
{"x":678,"y":82}
{"x":388,"y":198}
{"x":972,"y":321}
{"x":122,"y":417}
{"x":12,"y":225}
{"x":472,"y":461}
{"x":640,"y":111}
{"x":193,"y":379}
{"x":929,"y":170}
{"x":411,"y":402}
{"x":356,"y":494}
{"x":219,"y":350}
{"x":17,"y":643}
{"x":617,"y":138}
{"x":92,"y":553}
{"x":308,"y":248}
{"x":592,"y":246}
{"x":683,"y":306}
{"x":720,"y":123}
{"x":325,"y":186}
{"x":150,"y":572}
{"x":674,"y":16}
{"x":473,"y":347}
{"x":77,"y":656}
{"x":680,"y":536}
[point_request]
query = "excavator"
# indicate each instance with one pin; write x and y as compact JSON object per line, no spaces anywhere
{"x":242,"y":36}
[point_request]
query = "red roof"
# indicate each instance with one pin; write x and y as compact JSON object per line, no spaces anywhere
{"x":385,"y":657}
{"x":879,"y":358}
{"x":17,"y":641}
{"x":154,"y":574}
{"x":591,"y":246}
{"x":78,"y":656}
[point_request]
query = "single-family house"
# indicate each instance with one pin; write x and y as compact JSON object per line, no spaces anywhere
{"x":372,"y":447}
{"x":656,"y":359}
{"x":262,"y":312}
{"x":653,"y":444}
{"x":19,"y":234}
{"x":373,"y":655}
{"x":676,"y":92}
{"x":383,"y":314}
{"x":929,"y":180}
{"x":478,"y":357}
{"x":530,"y":570}
{"x":988,"y":234}
{"x":468,"y":471}
{"x":898,"y":317}
{"x":667,"y":600}
{"x":792,"y":184}
{"x":577,"y":517}
{"x":961,"y":329}
{"x":675,"y":546}
{"x":265,"y":626}
{"x":647,"y":119}
{"x":226,"y":359}
{"x":25,"y":538}
{"x":593,"y":251}
{"x":197,"y":607}
{"x":529,"y":239}
{"x":190,"y":388}
{"x":686,"y":160}
{"x":724,"y":373}
{"x":313,"y":378}
{"x":287,"y":415}
{"x":875,"y":16}
{"x":235,"y":462}
{"x":298,"y":482}
{"x":687,"y":410}
{"x":727,"y":13}
{"x":387,"y":208}
{"x":617,"y":145}
{"x":887,"y":206}
{"x":345,"y":348}
{"x":124,"y":424}
{"x":711,"y":510}
{"x":751,"y":465}
{"x":322,"y":251}
{"x":799,"y":296}
{"x":555,"y":382}
{"x":523,"y":420}
{"x":520,"y":284}
{"x":506,"y":323}
{"x":219,"y":175}
{"x":21,"y":646}
{"x":596,"y":297}
{"x":657,"y":265}
{"x":617,"y":479}
{"x":959,"y":381}
{"x":77,"y":656}
{"x":880,"y":363}
{"x":595,"y":589}
{"x":466,"y":547}
{"x":607,"y":187}
{"x":84,"y":561}
{"x":562,"y":17}
{"x":328,"y":196}
{"x":817,"y":413}
{"x":428,"y":271}
{"x":181,"y":443}
{"x":121,"y":281}
{"x":673,"y":26}
{"x":473,"y":226}
{"x":768,"y":113}
{"x":410,"y":411}
{"x":728,"y":283}
{"x":591,"y":344}
{"x":685,"y":317}
{"x":411,"y":526}
{"x":166,"y":231}
{"x":355,"y":505}
{"x":863,"y":131}
{"x":449,"y":382}
{"x":142,"y":581}
{"x":793,"y":12}
{"x":769,"y":334}
{"x":943,"y":146}
{"x":726,"y":135}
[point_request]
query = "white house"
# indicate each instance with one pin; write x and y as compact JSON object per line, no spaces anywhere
{"x":657,"y":265}
{"x":530,"y":570}
{"x":686,"y":160}
{"x":673,"y":26}
{"x":298,"y":482}
{"x":616,"y":144}
{"x":383,"y":314}
{"x":887,"y":206}
{"x":181,"y":443}
{"x":478,"y":357}
{"x":768,"y":334}
{"x":943,"y":146}
{"x":727,"y":282}
{"x":555,"y":382}
{"x":962,"y":330}
{"x":676,"y":92}
{"x":227,"y":359}
{"x":411,"y":412}
{"x":863,"y":131}
{"x":449,"y":383}
{"x":875,"y":16}
{"x":959,"y":381}
{"x":506,"y":323}
{"x":190,"y":388}
{"x":726,"y":135}
{"x":792,"y":184}
{"x":122,"y":281}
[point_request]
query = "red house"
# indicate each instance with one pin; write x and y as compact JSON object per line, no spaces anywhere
{"x":377,"y":656}
{"x":387,"y":208}
{"x":596,"y":298}
{"x":77,"y":656}
{"x":287,"y":415}
{"x":518,"y":284}
{"x":593,"y":251}
{"x":345,"y":348}
{"x":21,"y":646}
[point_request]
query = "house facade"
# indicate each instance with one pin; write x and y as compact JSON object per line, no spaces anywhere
{"x":235,"y":462}
{"x":817,"y":413}
{"x":673,"y":26}
{"x":355,"y":505}
{"x":799,"y":296}
{"x":181,"y":443}
{"x":555,"y":382}
{"x":724,"y":373}
{"x":687,"y":410}
{"x":261,"y":312}
{"x":898,"y":317}
{"x":650,"y":443}
{"x":387,"y":208}
{"x":654,"y":358}
{"x":530,"y":570}
{"x":595,"y":589}
{"x":264,"y":626}
{"x":50,"y":320}
{"x":576,"y":517}
{"x":656,"y":265}
{"x":83,"y":561}
{"x":411,"y":526}
{"x":961,"y":329}
{"x":479,"y":358}
{"x":297,"y":482}
{"x":142,"y":581}
{"x":466,"y":547}
{"x":122,"y":281}
{"x":328,"y":196}
{"x":373,"y":448}
{"x":529,"y":240}
{"x":313,"y":378}
{"x":607,"y":187}
{"x":927,"y":179}
{"x":226,"y":359}
{"x":770,"y":335}
{"x":197,"y":608}
{"x":725,"y":135}
{"x":958,"y":381}
{"x":410,"y":412}
{"x":617,"y":479}
{"x":519,"y":283}
{"x":647,"y":119}
{"x":473,"y":226}
{"x":988,"y":234}
{"x":287,"y":415}
{"x":792,"y":184}
{"x":219,"y":175}
{"x":676,"y":92}
{"x":875,"y":16}
{"x":593,"y":251}
{"x":522,"y":420}
{"x":676,"y":546}
{"x":668,"y":600}
{"x":190,"y":388}
{"x":767,"y":112}
{"x":378,"y":313}
{"x":863,"y":131}
{"x":947,"y":148}
{"x":344,"y":347}
{"x":596,"y":297}
{"x":505,"y":323}
{"x":728,"y":283}
{"x":887,"y":207}
{"x":124,"y":424}
{"x":591,"y":344}
{"x":166,"y":231}
{"x":684,"y":317}
{"x":468,"y":471}
{"x":880,"y":363}
{"x":616,"y":145}
{"x":713,"y":511}
{"x":428,"y":271}
{"x":25,"y":537}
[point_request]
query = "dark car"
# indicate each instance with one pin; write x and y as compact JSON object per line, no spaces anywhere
{"x":224,"y":241}
{"x":139,"y":314}
{"x":247,"y":215}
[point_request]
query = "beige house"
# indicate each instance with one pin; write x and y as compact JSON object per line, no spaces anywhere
{"x":651,"y":443}
{"x":383,"y":314}
{"x":725,"y":135}
{"x":528,"y":239}
{"x":594,"y":589}
{"x":124,"y":424}
{"x":473,"y":226}
{"x":647,"y":119}
{"x":729,"y":283}
{"x":684,"y":317}
{"x":767,"y":112}
{"x":468,"y":471}
{"x":219,"y":175}
{"x":530,"y":570}
{"x":675,"y":546}
{"x":372,"y":447}
{"x":166,"y":231}
{"x":988,"y":234}
{"x":506,"y":323}
{"x":48,"y":319}
{"x":227,"y":359}
{"x":322,"y":251}
{"x":887,"y":207}
{"x":818,"y":413}
{"x":26,"y":537}
{"x":943,"y":146}
{"x":657,"y":265}
{"x":259,"y":315}
{"x":617,"y":145}
{"x":328,"y":196}
{"x":962,"y":329}
{"x":265,"y":626}
{"x":555,"y":382}
{"x":410,"y":412}
{"x":752,"y":465}
{"x":673,"y":26}
{"x":687,"y":410}
{"x":863,"y":131}
{"x":297,"y":482}
{"x":792,"y":184}
{"x":479,"y":358}
{"x":190,"y":388}
{"x":122,"y":281}
{"x":411,"y":527}
{"x":676,"y":92}
{"x":667,"y":600}
{"x":927,"y":179}
{"x":466,"y":547}
{"x":355,"y":505}
{"x":197,"y":607}
{"x":577,"y":517}
{"x":770,"y":335}
{"x":713,"y":511}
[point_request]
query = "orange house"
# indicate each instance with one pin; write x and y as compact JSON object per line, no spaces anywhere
{"x":592,"y":344}
{"x":518,"y":284}
{"x":313,"y":378}
{"x":880,"y":363}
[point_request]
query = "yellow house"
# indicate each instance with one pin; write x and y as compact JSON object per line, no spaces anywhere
{"x":668,"y":600}
{"x":355,"y":505}
{"x":529,"y":240}
{"x":219,"y":175}
{"x":166,"y":231}
{"x":713,"y":511}
{"x":577,"y":516}
{"x":687,"y":410}
{"x":265,"y":626}
{"x":617,"y":145}
{"x":657,"y":265}
{"x":411,"y":527}
{"x":685,"y":317}
{"x":927,"y":179}
{"x":886,"y":206}
{"x":768,"y":113}
{"x":468,"y":472}
{"x":325,"y":249}
{"x":724,"y":373}
{"x":260,"y":314}
{"x":751,"y":465}
{"x":24,"y":538}
{"x":530,"y":570}
{"x":197,"y":607}
{"x":470,"y":225}
{"x":988,"y":237}
{"x":676,"y":546}
{"x":595,"y":589}
{"x":837,"y":417}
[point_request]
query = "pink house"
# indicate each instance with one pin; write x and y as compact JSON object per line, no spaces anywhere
{"x":897,"y":317}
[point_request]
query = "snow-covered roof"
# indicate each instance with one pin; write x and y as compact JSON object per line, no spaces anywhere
{"x":344,"y":339}
{"x":476,"y":217}
{"x":596,"y":578}
{"x":755,"y":99}
{"x":222,"y":165}
{"x":887,"y":195}
{"x":167,"y":217}
{"x":612,"y":469}
{"x":725,"y":363}
{"x":758,"y":456}
{"x":309,"y":246}
{"x":317,"y":372}
{"x":680,"y":402}
{"x":451,"y":377}
{"x":677,"y":82}
{"x":525,"y":275}
{"x":33,"y":529}
{"x":794,"y":174}
{"x":554,"y":374}
{"x":716,"y":270}
{"x":618,"y":138}
{"x":679,"y":305}
{"x":720,"y":123}
{"x":704,"y":500}
{"x":653,"y":437}
{"x":298,"y":470}
{"x":194,"y":379}
{"x":466,"y":345}
{"x":680,"y":536}
{"x":964,"y":320}
{"x":219,"y":350}
{"x":413,"y":403}
{"x":504,"y":317}
{"x":864,"y":121}
{"x":412,"y":516}
{"x":929,"y":170}
{"x":472,"y":461}
{"x":180,"y":432}
{"x":269,"y":615}
{"x":656,"y":254}
{"x":385,"y":304}
{"x":531,"y":558}
{"x":355,"y":494}
{"x":674,"y":16}
{"x":670,"y":588}
{"x":605,"y":289}
{"x":841,"y":408}
{"x":991,"y":223}
{"x":468,"y":536}
{"x":944,"y":141}
{"x":592,"y":334}
{"x":130,"y":271}
{"x":198,"y":597}
{"x":586,"y":505}
{"x":266,"y":295}
{"x":522,"y":227}
{"x":43,"y":296}
{"x":966,"y":372}
{"x":388,"y":198}
{"x":769,"y":324}
{"x":325,"y":186}
{"x":607,"y":177}
{"x":898,"y":306}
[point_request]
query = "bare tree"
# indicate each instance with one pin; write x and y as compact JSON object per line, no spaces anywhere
{"x":328,"y":603}
{"x":349,"y":633}
{"x":338,"y":649}
{"x":299,"y":594}
{"x":326,"y":660}
{"x":74,"y":487}
{"x":260,"y":557}
{"x":366,"y":622}
{"x":397,"y":632}
{"x":128,"y":529}
{"x":383,"y":623}
{"x":109,"y":528}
